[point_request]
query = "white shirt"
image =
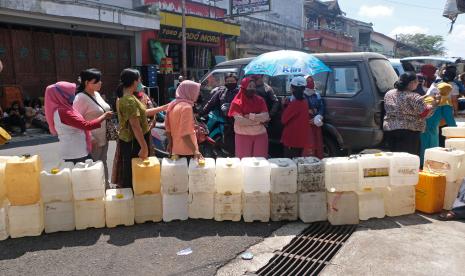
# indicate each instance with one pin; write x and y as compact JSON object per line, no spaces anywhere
{"x":72,"y":140}
{"x":90,"y":111}
{"x":433,"y":90}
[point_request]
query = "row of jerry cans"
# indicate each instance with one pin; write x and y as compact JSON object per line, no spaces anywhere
{"x":371,"y":171}
{"x":444,"y":171}
{"x":227,"y":175}
{"x":120,"y":207}
{"x":23,"y":182}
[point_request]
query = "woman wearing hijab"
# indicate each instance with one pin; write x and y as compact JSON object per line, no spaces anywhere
{"x":72,"y":129}
{"x":250,"y":115}
{"x":180,"y":123}
{"x":295,"y":120}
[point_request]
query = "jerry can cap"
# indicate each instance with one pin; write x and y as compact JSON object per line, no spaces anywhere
{"x":201,"y":162}
{"x":282,"y":163}
{"x":146,"y":162}
{"x":119,"y":196}
{"x":174,"y":157}
{"x":54,"y":170}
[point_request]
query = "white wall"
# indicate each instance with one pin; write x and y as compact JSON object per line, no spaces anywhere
{"x":285,"y":12}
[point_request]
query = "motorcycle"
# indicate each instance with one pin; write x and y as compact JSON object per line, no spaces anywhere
{"x":160,"y":140}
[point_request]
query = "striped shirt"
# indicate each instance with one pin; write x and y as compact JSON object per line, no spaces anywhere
{"x":404,"y":110}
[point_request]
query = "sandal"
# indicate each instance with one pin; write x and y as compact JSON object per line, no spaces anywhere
{"x":446,"y":216}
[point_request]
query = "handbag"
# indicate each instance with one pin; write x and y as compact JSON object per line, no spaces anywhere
{"x":111,"y":125}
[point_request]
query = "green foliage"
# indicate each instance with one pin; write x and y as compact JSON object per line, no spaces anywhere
{"x":427,"y":44}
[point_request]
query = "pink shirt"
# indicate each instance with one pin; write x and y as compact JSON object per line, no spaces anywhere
{"x":251,"y":124}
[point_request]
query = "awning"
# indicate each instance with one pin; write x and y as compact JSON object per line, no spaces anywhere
{"x":200,"y":23}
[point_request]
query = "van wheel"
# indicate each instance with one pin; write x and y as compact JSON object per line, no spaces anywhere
{"x":330,"y":147}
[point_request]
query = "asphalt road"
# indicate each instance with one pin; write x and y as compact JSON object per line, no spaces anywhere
{"x":146,"y":249}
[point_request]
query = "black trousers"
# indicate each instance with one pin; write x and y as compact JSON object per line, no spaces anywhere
{"x":77,"y":160}
{"x":15,"y":121}
{"x":292,"y":152}
{"x":404,"y":140}
{"x":129,"y":150}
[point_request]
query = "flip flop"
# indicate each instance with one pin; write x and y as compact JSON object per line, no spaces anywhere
{"x":446,"y":216}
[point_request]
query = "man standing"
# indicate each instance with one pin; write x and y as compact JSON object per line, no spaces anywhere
{"x":266,"y":92}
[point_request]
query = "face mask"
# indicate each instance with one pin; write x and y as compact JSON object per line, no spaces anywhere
{"x":309,"y":92}
{"x":250,"y":92}
{"x":231,"y":86}
{"x":140,"y":87}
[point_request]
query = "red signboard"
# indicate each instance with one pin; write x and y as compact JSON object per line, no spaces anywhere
{"x":192,"y":8}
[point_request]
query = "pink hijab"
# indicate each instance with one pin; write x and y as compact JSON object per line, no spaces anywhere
{"x":60,"y":96}
{"x":187,"y":92}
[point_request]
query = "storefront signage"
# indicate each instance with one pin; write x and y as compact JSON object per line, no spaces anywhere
{"x":241,"y":7}
{"x":174,"y":33}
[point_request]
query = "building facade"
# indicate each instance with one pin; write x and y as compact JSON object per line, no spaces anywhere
{"x":327,"y":29}
{"x":279,"y":28}
{"x":44,"y":41}
{"x":209,"y":36}
{"x":383,"y":44}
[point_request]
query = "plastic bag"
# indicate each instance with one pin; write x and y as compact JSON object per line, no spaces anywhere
{"x":452,"y":9}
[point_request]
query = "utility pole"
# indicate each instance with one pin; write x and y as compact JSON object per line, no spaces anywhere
{"x":184,"y":43}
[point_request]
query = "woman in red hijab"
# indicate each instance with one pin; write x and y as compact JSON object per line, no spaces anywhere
{"x":250,"y":115}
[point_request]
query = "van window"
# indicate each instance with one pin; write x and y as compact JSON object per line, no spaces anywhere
{"x":384,"y":74}
{"x":321,"y":80}
{"x":216,"y":78}
{"x":344,"y":82}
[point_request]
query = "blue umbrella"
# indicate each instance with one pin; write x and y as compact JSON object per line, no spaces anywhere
{"x":285,"y":62}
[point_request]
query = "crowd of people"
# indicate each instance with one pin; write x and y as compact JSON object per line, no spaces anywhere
{"x":82,"y":119}
{"x":418,"y":107}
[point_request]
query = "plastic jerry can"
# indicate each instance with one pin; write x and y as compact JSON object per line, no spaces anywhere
{"x":313,"y":207}
{"x":3,"y":160}
{"x":429,"y":192}
{"x":256,"y":175}
{"x":174,"y":176}
{"x":228,"y":176}
{"x":119,"y":207}
{"x":370,"y":204}
{"x":89,"y":213}
{"x":145,"y":175}
{"x":228,"y":206}
{"x":455,"y":143}
{"x":59,"y":216}
{"x":148,"y":207}
{"x":26,"y":220}
{"x":256,"y":206}
{"x":399,"y":200}
{"x":283,"y":175}
{"x":343,"y":208}
{"x":310,"y":174}
{"x":4,"y":220}
{"x":55,"y":183}
{"x":342,"y":174}
{"x":404,"y":168}
{"x":175,"y":207}
{"x":22,"y":182}
{"x":201,"y":205}
{"x":284,"y":206}
{"x":450,"y":194}
{"x":453,"y":132}
{"x":88,"y":180}
{"x":202,"y":175}
{"x":448,"y":161}
{"x":374,"y":170}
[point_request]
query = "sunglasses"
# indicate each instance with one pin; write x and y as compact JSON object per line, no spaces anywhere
{"x":69,"y":98}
